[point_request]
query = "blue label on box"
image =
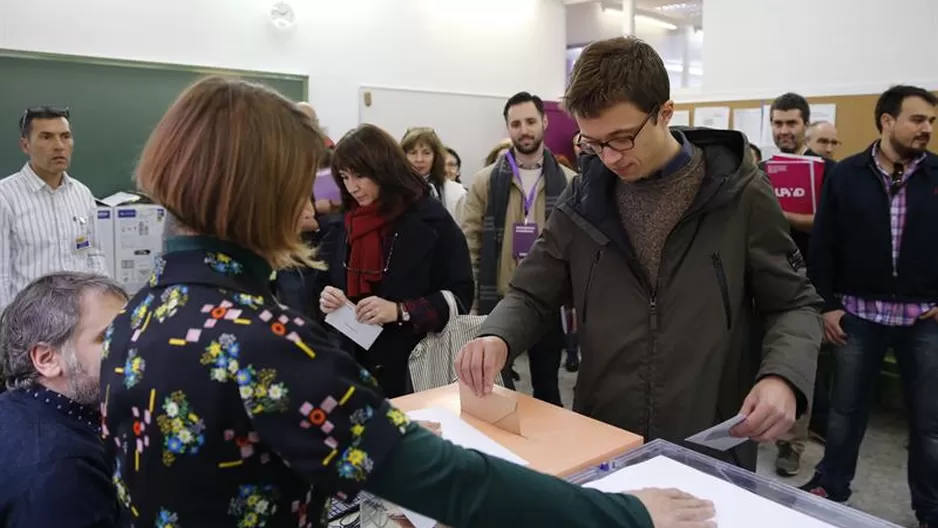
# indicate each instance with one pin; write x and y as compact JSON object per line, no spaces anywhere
{"x":104,"y":214}
{"x":126,"y":213}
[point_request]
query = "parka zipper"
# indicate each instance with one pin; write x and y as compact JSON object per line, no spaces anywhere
{"x":724,"y":288}
{"x":652,"y":350}
{"x":589,"y":282}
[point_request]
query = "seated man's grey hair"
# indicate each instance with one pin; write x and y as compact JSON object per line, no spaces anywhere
{"x":47,"y":312}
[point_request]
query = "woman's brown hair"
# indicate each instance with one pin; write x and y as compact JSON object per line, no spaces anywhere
{"x":504,"y":144}
{"x":235,"y":161}
{"x":415,"y":137}
{"x":372,"y":153}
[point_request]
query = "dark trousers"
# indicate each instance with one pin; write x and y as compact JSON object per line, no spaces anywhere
{"x":544,"y":360}
{"x":821,"y":402}
{"x":856,"y":368}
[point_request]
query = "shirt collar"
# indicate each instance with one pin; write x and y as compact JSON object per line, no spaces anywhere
{"x":909,"y":168}
{"x":208,"y":260}
{"x":679,"y":161}
{"x":36,"y":183}
{"x":538,"y":163}
{"x":83,"y":414}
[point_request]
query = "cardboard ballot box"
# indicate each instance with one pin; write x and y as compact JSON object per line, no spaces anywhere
{"x":552,"y":439}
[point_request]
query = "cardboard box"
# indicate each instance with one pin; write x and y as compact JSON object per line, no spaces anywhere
{"x":104,"y":230}
{"x":138,"y":241}
{"x":136,"y":238}
{"x":553,"y":440}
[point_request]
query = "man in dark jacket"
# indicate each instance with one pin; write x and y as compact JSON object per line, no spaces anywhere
{"x":875,"y":262}
{"x":789,"y":116}
{"x":665,"y":245}
{"x":53,"y":466}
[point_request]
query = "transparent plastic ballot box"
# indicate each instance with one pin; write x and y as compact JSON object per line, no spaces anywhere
{"x":376,"y":513}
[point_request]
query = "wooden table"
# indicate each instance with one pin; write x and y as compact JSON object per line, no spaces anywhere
{"x":553,"y":440}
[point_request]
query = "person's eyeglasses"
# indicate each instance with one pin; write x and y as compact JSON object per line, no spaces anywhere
{"x":373,"y":273}
{"x":898,"y":171}
{"x":619,"y":144}
{"x":41,"y":112}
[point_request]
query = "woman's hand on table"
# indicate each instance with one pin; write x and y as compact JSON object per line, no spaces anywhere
{"x":672,"y":508}
{"x":331,"y":299}
{"x":376,"y":311}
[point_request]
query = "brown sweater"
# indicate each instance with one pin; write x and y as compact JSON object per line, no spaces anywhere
{"x":650,"y":208}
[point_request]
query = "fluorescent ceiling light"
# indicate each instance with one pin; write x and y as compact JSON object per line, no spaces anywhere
{"x":657,"y":22}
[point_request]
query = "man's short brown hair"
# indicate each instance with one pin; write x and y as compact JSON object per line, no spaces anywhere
{"x":235,"y":161}
{"x":613,"y":71}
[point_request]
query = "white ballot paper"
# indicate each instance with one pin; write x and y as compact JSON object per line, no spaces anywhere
{"x":344,"y":321}
{"x":735,"y":506}
{"x":457,"y":431}
{"x":718,"y":437}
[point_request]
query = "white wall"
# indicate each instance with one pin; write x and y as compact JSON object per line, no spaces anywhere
{"x":588,"y":22}
{"x":477,"y":46}
{"x":828,"y":47}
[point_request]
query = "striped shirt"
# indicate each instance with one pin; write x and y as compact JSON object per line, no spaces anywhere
{"x":885,"y":312}
{"x":45,"y":230}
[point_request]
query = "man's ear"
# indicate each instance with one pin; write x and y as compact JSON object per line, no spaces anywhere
{"x":24,"y":146}
{"x":666,"y":113}
{"x":545,"y":122}
{"x":46,"y":360}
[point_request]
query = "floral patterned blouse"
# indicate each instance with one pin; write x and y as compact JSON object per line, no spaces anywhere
{"x":224,"y":408}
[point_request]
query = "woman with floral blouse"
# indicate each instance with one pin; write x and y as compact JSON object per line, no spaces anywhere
{"x":225,"y":409}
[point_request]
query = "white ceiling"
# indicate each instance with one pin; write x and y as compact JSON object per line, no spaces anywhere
{"x":679,"y":12}
{"x":682,"y":11}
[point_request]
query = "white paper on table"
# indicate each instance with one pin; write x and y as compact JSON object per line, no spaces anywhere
{"x":457,"y":431}
{"x":735,"y":506}
{"x":824,"y":112}
{"x":680,"y":118}
{"x":344,"y":321}
{"x":712,"y":117}
{"x":718,"y":437}
{"x":749,"y":121}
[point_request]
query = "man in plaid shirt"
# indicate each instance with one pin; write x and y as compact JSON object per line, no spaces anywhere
{"x":874,"y":254}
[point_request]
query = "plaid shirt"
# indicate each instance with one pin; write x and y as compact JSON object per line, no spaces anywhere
{"x":884,"y":312}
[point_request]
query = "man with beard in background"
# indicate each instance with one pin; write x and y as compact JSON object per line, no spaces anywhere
{"x":875,"y":262}
{"x":508,"y":204}
{"x":790,"y":114}
{"x":53,"y":467}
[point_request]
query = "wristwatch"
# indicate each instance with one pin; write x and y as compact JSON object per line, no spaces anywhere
{"x":403,"y":316}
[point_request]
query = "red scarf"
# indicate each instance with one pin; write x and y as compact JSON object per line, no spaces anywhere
{"x":366,"y":229}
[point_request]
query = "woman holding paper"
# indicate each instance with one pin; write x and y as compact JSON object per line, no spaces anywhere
{"x":223,"y":408}
{"x":399,"y":250}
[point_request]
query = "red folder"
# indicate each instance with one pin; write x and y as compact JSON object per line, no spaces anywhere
{"x":797,"y":181}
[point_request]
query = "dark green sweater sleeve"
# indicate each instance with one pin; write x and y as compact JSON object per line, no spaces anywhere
{"x":464,"y":488}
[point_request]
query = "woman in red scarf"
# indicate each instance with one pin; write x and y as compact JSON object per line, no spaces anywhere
{"x":399,"y":251}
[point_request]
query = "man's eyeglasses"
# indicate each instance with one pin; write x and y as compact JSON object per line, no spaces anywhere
{"x":41,"y":112}
{"x":895,"y":181}
{"x":619,"y":144}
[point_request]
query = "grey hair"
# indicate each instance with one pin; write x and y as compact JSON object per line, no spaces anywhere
{"x":813,"y":128}
{"x":48,"y":312}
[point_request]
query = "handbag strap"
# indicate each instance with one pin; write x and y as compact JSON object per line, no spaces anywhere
{"x":453,"y":305}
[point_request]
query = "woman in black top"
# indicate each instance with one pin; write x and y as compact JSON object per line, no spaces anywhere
{"x":223,"y":408}
{"x":399,"y":250}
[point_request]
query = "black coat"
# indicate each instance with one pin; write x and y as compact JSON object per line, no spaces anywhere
{"x":428,"y":254}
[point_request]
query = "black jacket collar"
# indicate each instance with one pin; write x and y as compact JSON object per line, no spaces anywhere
{"x":213,"y":262}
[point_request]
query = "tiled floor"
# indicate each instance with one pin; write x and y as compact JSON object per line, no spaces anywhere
{"x":880,"y":487}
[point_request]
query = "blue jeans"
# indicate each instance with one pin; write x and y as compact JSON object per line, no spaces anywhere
{"x":856,"y":368}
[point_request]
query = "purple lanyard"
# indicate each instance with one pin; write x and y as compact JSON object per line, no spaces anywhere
{"x":532,"y":194}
